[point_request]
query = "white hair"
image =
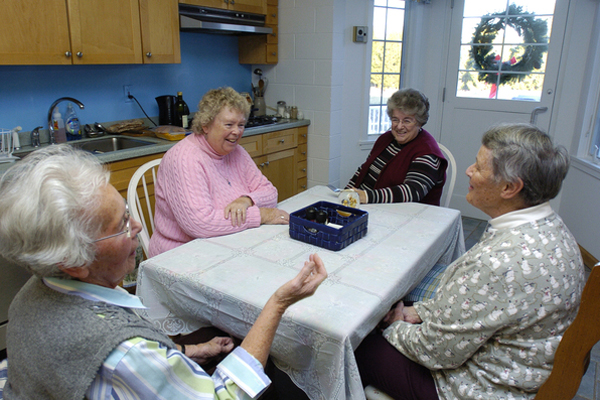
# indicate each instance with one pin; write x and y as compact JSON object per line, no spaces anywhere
{"x":48,"y":209}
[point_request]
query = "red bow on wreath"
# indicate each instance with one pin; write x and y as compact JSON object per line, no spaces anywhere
{"x":494,"y":87}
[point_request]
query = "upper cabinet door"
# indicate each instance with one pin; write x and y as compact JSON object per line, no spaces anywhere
{"x":105,"y":32}
{"x":160,"y":31}
{"x":34,"y":32}
{"x":251,"y":6}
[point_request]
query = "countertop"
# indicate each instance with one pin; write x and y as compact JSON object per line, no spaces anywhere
{"x":163,"y":145}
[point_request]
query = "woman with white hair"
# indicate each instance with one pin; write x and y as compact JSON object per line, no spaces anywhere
{"x":73,"y":333}
{"x":500,"y":310}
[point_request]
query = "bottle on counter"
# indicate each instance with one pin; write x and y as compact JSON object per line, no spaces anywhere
{"x":58,"y":124}
{"x":72,"y":125}
{"x":182,"y":112}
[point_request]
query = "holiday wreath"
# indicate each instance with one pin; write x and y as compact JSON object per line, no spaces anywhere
{"x":534,"y":32}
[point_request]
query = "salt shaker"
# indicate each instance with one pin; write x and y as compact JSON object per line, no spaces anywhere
{"x":281,"y":107}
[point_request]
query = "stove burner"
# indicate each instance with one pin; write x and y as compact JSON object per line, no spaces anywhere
{"x":260,"y":121}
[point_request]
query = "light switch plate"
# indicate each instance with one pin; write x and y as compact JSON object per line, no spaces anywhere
{"x":360,"y":34}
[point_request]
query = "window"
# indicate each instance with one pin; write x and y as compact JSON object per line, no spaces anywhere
{"x":386,"y":60}
{"x":504,"y":49}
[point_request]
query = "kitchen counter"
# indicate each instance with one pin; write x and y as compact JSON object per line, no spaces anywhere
{"x":163,"y":145}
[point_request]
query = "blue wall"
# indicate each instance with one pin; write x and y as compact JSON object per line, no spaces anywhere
{"x":207,"y":61}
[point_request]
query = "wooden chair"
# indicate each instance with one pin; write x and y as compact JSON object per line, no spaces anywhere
{"x":573,"y":354}
{"x":143,"y":212}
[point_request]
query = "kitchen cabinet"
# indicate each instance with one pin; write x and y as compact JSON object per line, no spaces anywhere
{"x":281,"y":157}
{"x":89,"y":32}
{"x":250,"y":6}
{"x":262,"y":49}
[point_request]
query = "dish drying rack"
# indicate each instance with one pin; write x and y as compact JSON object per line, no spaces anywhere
{"x":7,"y":145}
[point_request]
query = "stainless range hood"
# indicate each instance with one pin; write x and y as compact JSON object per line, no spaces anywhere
{"x":212,"y":20}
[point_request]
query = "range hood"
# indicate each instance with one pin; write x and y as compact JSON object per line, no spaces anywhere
{"x":213,"y":20}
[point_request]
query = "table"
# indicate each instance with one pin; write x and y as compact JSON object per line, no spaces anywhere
{"x":225,"y":281}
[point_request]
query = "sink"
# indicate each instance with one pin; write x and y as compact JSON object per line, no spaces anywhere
{"x":100,"y":145}
{"x":108,"y":144}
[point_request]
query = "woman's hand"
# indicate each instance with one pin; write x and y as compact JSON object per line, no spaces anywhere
{"x":304,"y":284}
{"x":204,"y":352}
{"x":362,"y":195}
{"x":274,"y":216}
{"x":400,"y":313}
{"x":238,"y":209}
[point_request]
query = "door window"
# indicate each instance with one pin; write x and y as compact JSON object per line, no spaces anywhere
{"x":504,"y":48}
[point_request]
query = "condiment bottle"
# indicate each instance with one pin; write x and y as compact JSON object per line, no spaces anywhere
{"x":182,"y":112}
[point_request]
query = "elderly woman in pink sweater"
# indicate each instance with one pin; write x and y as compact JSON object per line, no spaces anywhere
{"x":209,"y":186}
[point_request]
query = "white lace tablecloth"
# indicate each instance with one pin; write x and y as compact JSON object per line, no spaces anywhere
{"x":225,"y":281}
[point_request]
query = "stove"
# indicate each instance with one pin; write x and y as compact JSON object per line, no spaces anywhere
{"x":255,"y":121}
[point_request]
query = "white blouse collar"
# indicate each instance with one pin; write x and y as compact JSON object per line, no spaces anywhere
{"x":523,"y":216}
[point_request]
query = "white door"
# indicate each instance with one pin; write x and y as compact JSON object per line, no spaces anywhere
{"x":500,"y":69}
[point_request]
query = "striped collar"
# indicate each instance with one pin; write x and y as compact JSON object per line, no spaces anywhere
{"x":118,"y":296}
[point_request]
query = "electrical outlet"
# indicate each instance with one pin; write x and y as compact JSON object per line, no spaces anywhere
{"x":360,"y":34}
{"x":127,"y":92}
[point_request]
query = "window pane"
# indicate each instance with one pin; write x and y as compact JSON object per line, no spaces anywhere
{"x":378,"y":23}
{"x":376,"y":88}
{"x":393,"y":57}
{"x":377,"y":57}
{"x":396,"y":3}
{"x":477,"y":8}
{"x":395,"y":24}
{"x":537,"y":6}
{"x":381,"y":3}
{"x":527,"y":89}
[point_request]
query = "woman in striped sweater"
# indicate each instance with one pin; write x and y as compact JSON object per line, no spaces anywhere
{"x":406,"y":163}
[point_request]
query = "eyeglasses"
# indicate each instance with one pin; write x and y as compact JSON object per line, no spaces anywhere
{"x":407,"y":122}
{"x":127,"y":227}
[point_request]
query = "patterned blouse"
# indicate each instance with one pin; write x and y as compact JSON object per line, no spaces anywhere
{"x":500,"y":311}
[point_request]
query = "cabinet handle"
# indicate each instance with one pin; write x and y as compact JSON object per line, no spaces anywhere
{"x":148,"y":54}
{"x":304,"y":135}
{"x":303,"y":169}
{"x":274,"y":15}
{"x":68,"y":54}
{"x":226,"y":1}
{"x":232,"y":2}
{"x":274,"y":53}
{"x":303,"y":186}
{"x":282,"y":141}
{"x":79,"y":54}
{"x":274,"y":34}
{"x":303,"y":153}
{"x":262,"y":165}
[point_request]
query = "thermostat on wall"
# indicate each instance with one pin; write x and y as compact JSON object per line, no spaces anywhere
{"x":360,"y":34}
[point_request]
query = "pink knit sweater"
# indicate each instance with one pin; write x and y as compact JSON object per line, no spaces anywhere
{"x":193,"y":186}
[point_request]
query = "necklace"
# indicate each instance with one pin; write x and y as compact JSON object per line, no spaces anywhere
{"x":223,"y":175}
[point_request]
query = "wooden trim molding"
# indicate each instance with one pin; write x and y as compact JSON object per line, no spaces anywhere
{"x":588,"y":259}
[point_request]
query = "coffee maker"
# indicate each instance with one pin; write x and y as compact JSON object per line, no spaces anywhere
{"x":166,"y":110}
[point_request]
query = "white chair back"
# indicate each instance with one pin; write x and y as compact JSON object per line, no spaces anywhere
{"x":143,"y":212}
{"x":450,"y":177}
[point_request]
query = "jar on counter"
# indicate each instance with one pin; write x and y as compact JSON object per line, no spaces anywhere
{"x":281,"y":107}
{"x":294,"y":112}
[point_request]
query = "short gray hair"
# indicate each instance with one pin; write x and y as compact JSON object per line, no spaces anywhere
{"x":411,"y":102}
{"x":48,"y":209}
{"x":522,"y":151}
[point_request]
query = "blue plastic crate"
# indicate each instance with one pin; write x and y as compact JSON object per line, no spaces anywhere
{"x":352,"y":228}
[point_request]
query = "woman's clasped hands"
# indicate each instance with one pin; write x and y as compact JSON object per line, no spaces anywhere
{"x":237,"y":211}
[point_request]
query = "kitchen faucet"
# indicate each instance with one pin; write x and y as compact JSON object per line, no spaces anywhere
{"x":50,"y":127}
